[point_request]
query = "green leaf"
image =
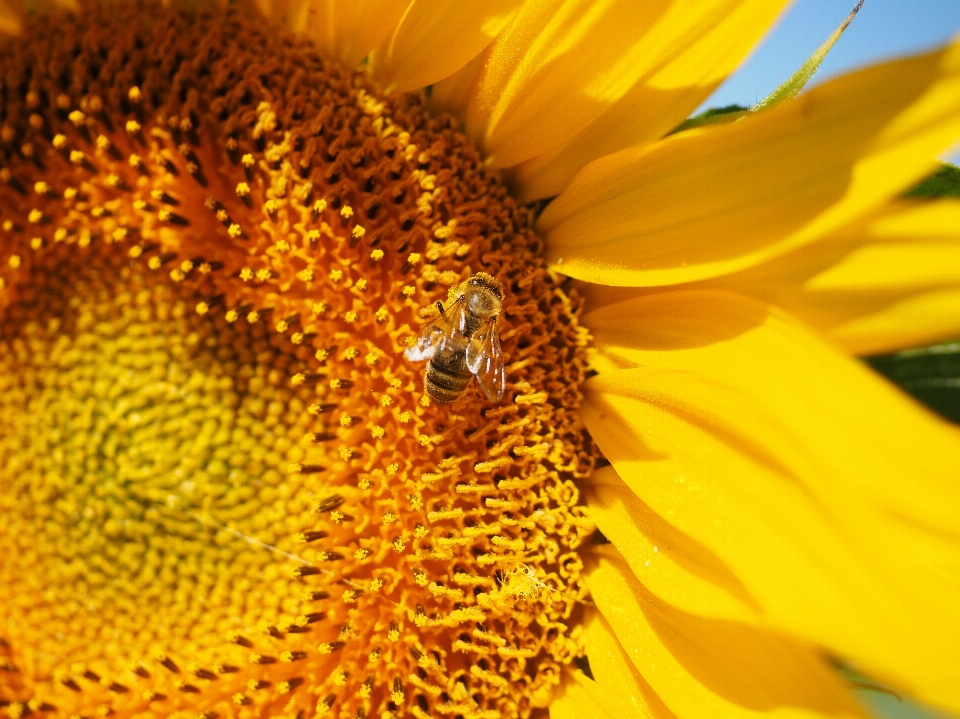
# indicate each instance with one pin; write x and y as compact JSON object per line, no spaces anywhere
{"x":715,"y":115}
{"x":795,"y":83}
{"x":786,"y":91}
{"x":945,"y":182}
{"x":931,"y":374}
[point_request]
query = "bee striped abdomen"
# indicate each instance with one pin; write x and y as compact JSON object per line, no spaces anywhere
{"x":447,"y":377}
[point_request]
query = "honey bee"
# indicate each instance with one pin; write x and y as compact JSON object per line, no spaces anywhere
{"x":462,"y":342}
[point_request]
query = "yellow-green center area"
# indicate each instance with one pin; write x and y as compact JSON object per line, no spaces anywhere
{"x":143,"y":449}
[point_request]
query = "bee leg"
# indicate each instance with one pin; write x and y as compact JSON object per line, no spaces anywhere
{"x":440,"y":306}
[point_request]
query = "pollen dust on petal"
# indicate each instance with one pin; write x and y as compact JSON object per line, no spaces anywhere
{"x":222,"y":488}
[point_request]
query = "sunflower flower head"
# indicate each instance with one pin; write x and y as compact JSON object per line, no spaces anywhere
{"x":225,"y":491}
{"x":230,"y":488}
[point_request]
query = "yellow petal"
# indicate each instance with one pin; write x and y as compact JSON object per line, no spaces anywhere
{"x":888,"y":282}
{"x":674,"y":566}
{"x":346,"y":30}
{"x":689,"y":52}
{"x":452,"y":94}
{"x":719,"y":199}
{"x":617,"y":686}
{"x":920,"y":319}
{"x":561,"y":63}
{"x":705,"y":667}
{"x":832,"y":497}
{"x":911,"y":244}
{"x":435,"y":38}
{"x":575,"y":703}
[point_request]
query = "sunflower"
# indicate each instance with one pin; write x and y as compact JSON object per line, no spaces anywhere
{"x":224,"y":490}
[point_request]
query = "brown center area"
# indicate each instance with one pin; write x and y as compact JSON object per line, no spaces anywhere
{"x":223,"y":487}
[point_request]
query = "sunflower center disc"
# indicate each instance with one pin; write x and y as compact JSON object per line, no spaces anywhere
{"x":130,"y":421}
{"x":223,"y":489}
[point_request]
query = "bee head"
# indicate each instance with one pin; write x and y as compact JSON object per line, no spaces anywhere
{"x":484,"y":295}
{"x":487,"y":282}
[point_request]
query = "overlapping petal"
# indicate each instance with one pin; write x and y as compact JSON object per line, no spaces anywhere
{"x":693,"y":48}
{"x":617,"y":686}
{"x":887,"y":282}
{"x":671,"y":563}
{"x":716,"y":200}
{"x":573,"y":702}
{"x":435,"y":38}
{"x":706,"y":667}
{"x":560,"y":64}
{"x":345,"y":30}
{"x":830,"y":497}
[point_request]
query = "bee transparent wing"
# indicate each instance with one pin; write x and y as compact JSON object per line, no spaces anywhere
{"x":485,"y":360}
{"x":438,"y":334}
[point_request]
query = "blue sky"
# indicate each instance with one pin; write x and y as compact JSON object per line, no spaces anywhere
{"x":882,"y":29}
